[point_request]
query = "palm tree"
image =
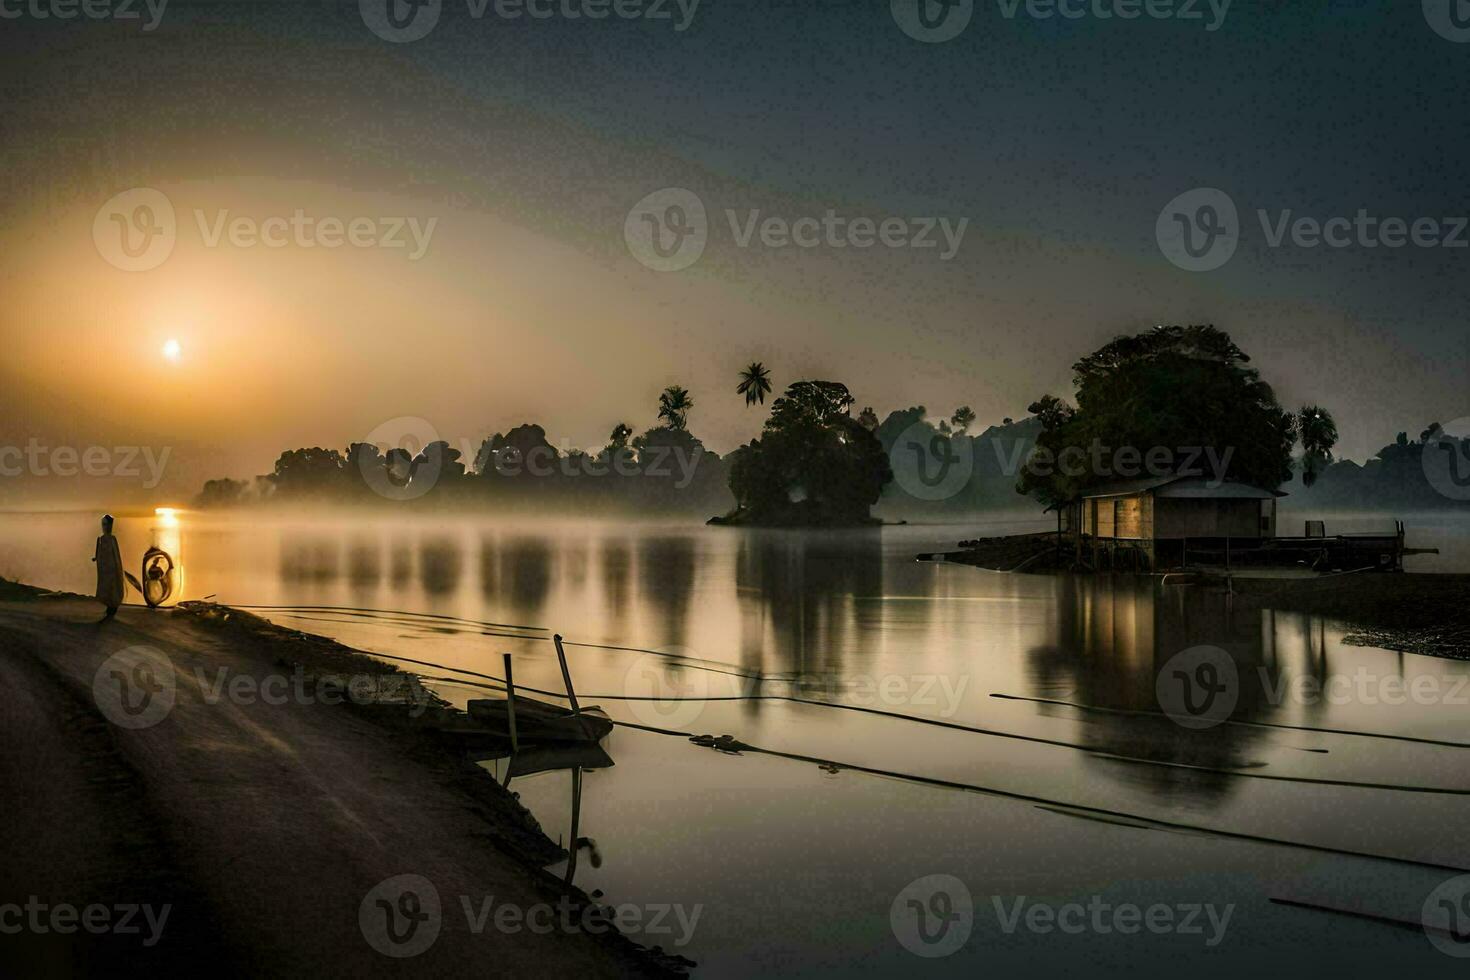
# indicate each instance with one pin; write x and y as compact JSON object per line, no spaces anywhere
{"x":755,"y":383}
{"x":1317,"y":431}
{"x":674,"y":405}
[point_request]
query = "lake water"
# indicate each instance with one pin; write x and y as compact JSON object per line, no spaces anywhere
{"x":1005,"y":731}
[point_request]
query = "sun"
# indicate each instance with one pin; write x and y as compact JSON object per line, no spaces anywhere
{"x":172,"y":350}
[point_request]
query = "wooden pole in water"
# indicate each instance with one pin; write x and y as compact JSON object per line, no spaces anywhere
{"x":566,"y":676}
{"x":510,"y":704}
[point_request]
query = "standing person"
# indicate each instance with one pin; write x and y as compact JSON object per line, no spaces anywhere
{"x":109,"y":570}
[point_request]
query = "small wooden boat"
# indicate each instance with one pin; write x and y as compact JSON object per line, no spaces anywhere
{"x":539,"y":721}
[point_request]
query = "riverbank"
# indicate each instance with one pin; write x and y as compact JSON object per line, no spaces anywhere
{"x":265,"y":825}
{"x":1415,"y":613}
{"x":1032,"y":553}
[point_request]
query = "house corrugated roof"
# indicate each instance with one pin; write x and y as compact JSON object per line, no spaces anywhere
{"x":1197,"y":487}
{"x":1127,"y":488}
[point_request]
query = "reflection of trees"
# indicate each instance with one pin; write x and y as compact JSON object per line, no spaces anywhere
{"x":400,"y":563}
{"x":799,"y":587}
{"x":489,"y":568}
{"x":309,"y":558}
{"x":527,"y":572}
{"x":364,"y":562}
{"x":1113,"y":638}
{"x":617,"y":564}
{"x":666,"y":580}
{"x":439,"y":565}
{"x":516,"y":571}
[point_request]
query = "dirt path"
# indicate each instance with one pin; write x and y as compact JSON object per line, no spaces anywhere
{"x":265,"y":826}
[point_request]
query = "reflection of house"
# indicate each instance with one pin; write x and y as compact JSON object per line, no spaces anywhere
{"x":1148,"y":523}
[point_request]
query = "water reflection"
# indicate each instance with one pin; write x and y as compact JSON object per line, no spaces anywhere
{"x":310,"y":558}
{"x":617,"y":567}
{"x":1115,"y":639}
{"x":802,"y":595}
{"x":364,"y":562}
{"x":526,"y":573}
{"x":440,"y":565}
{"x":400,"y":563}
{"x":666,"y":569}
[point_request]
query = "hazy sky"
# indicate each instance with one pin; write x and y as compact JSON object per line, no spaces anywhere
{"x":1056,"y":141}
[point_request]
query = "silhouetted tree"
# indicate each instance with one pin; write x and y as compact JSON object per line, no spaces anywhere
{"x":674,"y":405}
{"x":813,"y":464}
{"x":755,"y":384}
{"x":1317,"y":432}
{"x":962,"y":419}
{"x":1175,"y":387}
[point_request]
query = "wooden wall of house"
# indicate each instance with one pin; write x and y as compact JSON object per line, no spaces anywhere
{"x":1188,"y":517}
{"x":1134,"y":517}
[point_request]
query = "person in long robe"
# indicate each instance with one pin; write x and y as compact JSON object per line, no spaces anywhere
{"x":110,"y":582}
